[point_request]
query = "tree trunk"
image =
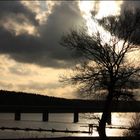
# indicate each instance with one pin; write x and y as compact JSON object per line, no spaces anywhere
{"x":105,"y":115}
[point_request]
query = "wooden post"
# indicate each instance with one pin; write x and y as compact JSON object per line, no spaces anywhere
{"x":76,"y":117}
{"x":17,"y":116}
{"x":45,"y":116}
{"x":109,"y":119}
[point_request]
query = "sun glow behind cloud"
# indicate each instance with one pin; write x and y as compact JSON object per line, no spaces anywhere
{"x":103,"y":8}
{"x":107,"y":8}
{"x":86,"y":7}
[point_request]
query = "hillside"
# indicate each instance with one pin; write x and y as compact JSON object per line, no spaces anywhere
{"x":21,"y":98}
{"x":27,"y":99}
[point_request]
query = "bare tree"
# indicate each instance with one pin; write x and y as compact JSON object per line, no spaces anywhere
{"x":105,"y":63}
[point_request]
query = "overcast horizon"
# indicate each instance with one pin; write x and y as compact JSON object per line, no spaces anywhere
{"x":31,"y":58}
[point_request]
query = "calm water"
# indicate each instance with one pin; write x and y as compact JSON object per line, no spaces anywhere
{"x":59,"y":122}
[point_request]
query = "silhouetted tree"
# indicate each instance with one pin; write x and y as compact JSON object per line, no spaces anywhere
{"x":106,"y":62}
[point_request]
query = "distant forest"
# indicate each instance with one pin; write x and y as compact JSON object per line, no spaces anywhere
{"x":21,"y":98}
{"x":30,"y":99}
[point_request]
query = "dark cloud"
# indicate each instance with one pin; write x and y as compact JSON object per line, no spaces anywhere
{"x":64,"y":17}
{"x":44,"y":50}
{"x":130,"y":5}
{"x":134,"y":15}
{"x":128,"y":21}
{"x":11,"y":9}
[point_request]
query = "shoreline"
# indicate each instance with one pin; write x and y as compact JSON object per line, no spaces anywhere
{"x":80,"y":138}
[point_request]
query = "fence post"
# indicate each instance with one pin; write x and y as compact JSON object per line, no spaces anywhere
{"x":17,"y":115}
{"x":45,"y":116}
{"x":76,"y":117}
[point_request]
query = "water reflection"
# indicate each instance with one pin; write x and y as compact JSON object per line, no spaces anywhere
{"x":60,"y":122}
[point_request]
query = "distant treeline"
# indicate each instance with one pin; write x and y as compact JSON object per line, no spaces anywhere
{"x":21,"y":98}
{"x":29,"y":99}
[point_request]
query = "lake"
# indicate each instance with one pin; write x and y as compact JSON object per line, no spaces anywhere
{"x":59,"y":121}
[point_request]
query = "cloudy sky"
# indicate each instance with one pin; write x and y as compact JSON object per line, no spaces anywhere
{"x":31,"y":58}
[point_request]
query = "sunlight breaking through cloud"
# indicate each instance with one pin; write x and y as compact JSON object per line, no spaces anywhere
{"x":15,"y":28}
{"x":100,"y":9}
